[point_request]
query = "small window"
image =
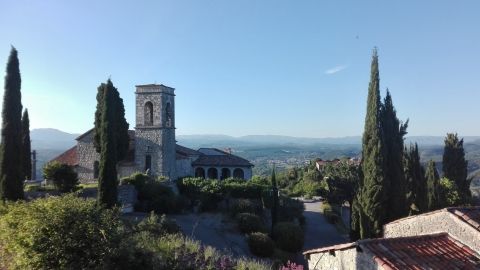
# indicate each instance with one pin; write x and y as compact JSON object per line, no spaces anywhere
{"x":148,"y":114}
{"x":168,"y":114}
{"x":148,"y":162}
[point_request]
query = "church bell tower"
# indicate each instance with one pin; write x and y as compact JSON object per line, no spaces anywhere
{"x":155,"y":130}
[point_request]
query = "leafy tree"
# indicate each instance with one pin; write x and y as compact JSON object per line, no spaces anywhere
{"x":449,"y":193}
{"x":394,"y":132}
{"x":433,"y":182}
{"x":107,"y":180}
{"x":11,"y":171}
{"x":342,"y":182}
{"x":27,"y":157}
{"x":416,"y":185}
{"x":121,"y":125}
{"x":455,"y":166}
{"x":372,"y":197}
{"x":63,"y":176}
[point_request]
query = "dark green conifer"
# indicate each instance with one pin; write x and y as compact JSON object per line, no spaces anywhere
{"x":433,"y":182}
{"x":120,"y":121}
{"x":11,"y":176}
{"x":275,"y":200}
{"x":416,"y":184}
{"x":372,"y":197}
{"x":455,"y":166}
{"x":394,"y":132}
{"x":27,"y":155}
{"x":107,"y":180}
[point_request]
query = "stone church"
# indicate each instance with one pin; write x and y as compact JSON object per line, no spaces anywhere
{"x":153,"y":146}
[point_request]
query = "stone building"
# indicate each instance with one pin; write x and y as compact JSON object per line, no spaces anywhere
{"x":153,"y":146}
{"x":443,"y":239}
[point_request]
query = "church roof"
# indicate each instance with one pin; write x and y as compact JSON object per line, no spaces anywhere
{"x":68,"y":157}
{"x":216,"y":157}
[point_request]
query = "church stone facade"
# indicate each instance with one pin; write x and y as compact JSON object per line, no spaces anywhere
{"x":153,"y":146}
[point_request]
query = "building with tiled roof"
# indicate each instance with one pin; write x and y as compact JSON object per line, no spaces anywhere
{"x":153,"y":147}
{"x":445,"y":239}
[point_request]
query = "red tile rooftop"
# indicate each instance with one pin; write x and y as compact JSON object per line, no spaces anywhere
{"x":68,"y":157}
{"x":434,"y":251}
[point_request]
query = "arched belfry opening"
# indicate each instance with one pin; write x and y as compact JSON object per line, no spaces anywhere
{"x":168,"y":114}
{"x":148,"y":114}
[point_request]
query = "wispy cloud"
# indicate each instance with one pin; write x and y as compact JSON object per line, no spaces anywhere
{"x":335,"y":69}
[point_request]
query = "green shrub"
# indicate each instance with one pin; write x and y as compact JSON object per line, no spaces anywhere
{"x":158,"y":225}
{"x":329,"y":212}
{"x":58,"y":233}
{"x":260,"y":244}
{"x":248,"y":223}
{"x":290,"y":209}
{"x":243,"y":189}
{"x":154,"y":195}
{"x":288,"y":236}
{"x":63,"y":176}
{"x":238,"y":206}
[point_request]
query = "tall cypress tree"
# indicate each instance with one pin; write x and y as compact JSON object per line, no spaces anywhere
{"x":372,"y":197}
{"x":455,"y":166}
{"x":394,"y":132}
{"x":416,"y":185}
{"x":121,"y":129}
{"x":27,"y":156}
{"x":107,"y":180}
{"x":275,"y":200}
{"x":433,"y":183}
{"x":11,"y":176}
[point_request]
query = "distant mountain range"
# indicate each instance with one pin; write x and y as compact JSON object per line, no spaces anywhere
{"x":49,"y":138}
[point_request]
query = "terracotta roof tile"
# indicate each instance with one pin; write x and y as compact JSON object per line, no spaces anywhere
{"x":68,"y":157}
{"x":437,"y":251}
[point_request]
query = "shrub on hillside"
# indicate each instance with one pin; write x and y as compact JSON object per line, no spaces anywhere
{"x":290,"y":209}
{"x":261,"y":244}
{"x":58,"y":233}
{"x":238,"y":206}
{"x":63,"y":176}
{"x":154,"y":195}
{"x":158,"y":225}
{"x":248,"y":223}
{"x":288,"y":236}
{"x":329,"y":213}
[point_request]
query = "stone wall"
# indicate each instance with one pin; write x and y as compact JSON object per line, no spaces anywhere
{"x":184,"y":168}
{"x":435,"y":222}
{"x":87,"y":156}
{"x":347,"y":259}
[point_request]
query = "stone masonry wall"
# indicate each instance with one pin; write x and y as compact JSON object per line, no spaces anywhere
{"x":348,"y":259}
{"x":435,"y":222}
{"x":86,"y":157}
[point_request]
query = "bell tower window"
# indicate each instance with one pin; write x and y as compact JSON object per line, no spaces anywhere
{"x":168,"y":114}
{"x":148,"y":162}
{"x":148,"y":116}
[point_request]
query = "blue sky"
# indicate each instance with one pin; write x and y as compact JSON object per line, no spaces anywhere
{"x":297,"y":68}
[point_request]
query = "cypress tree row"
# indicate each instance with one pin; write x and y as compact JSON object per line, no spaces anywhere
{"x":394,"y":132}
{"x":455,"y":166}
{"x":433,"y":183}
{"x":27,"y":157}
{"x":107,"y":180}
{"x":121,"y":129}
{"x":372,"y":197}
{"x":416,"y":185}
{"x":11,"y":176}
